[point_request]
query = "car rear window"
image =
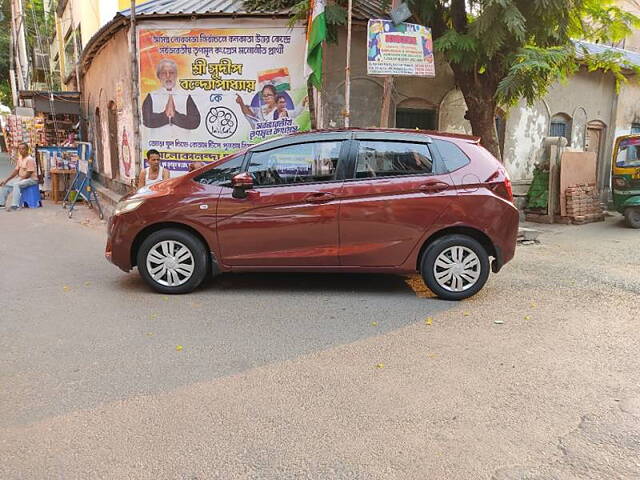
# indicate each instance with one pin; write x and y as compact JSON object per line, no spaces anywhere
{"x":385,"y":159}
{"x":453,"y":157}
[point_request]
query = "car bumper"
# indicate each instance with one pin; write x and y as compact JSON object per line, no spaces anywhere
{"x":120,"y":237}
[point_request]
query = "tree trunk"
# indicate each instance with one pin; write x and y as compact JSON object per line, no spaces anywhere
{"x":479,"y":94}
{"x":482,"y":116}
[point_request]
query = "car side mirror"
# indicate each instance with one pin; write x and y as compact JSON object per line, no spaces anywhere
{"x":241,"y":183}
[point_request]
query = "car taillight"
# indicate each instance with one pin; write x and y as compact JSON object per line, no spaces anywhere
{"x":509,"y":188}
{"x":504,"y":188}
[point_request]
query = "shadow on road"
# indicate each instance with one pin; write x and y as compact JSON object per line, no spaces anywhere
{"x":285,"y":283}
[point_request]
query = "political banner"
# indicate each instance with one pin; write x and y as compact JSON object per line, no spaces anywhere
{"x":405,"y":49}
{"x":206,"y":93}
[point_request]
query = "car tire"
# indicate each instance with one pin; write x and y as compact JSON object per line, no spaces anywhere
{"x":455,"y":267}
{"x":632,"y":216}
{"x":182,"y":255}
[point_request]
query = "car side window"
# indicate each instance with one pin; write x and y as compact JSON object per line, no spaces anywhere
{"x":453,"y":157}
{"x":293,"y":164}
{"x":222,"y":173}
{"x":387,"y":159}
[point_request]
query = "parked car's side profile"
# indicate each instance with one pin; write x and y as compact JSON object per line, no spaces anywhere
{"x":387,"y":201}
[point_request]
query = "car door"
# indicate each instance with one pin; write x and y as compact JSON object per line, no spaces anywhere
{"x":290,"y":216}
{"x":398,"y":191}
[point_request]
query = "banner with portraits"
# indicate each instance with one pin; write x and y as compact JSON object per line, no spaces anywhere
{"x":206,"y":93}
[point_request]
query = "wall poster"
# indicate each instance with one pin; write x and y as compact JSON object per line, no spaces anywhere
{"x":206,"y":93}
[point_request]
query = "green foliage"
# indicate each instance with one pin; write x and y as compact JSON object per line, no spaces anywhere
{"x":533,"y":70}
{"x":523,"y":46}
{"x":5,"y":41}
{"x":335,"y":12}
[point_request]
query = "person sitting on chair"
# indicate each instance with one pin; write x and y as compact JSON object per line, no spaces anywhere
{"x":25,"y":172}
{"x":154,"y":173}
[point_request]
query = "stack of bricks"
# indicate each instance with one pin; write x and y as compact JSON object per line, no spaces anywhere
{"x":583,"y":204}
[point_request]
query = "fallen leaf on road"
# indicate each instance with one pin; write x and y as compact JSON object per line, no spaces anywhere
{"x":428,"y":321}
{"x":379,"y":365}
{"x":86,"y":284}
{"x":466,"y":314}
{"x":153,"y":316}
{"x":498,"y":321}
{"x":165,"y":298}
{"x":533,"y":304}
{"x":149,"y":334}
{"x":416,"y":283}
{"x":432,"y":355}
{"x":527,"y":317}
{"x":179,"y":348}
{"x":66,"y":288}
{"x":374,"y":324}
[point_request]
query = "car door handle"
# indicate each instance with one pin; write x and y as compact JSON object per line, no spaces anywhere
{"x":433,"y":187}
{"x":320,"y":197}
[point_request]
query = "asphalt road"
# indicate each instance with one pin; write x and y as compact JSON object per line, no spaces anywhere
{"x":317,"y":376}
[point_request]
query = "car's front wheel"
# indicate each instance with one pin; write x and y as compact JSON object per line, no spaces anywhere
{"x":455,"y":267}
{"x":172,"y":261}
{"x":632,"y":216}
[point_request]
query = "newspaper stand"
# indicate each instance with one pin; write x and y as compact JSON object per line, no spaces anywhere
{"x":81,"y":183}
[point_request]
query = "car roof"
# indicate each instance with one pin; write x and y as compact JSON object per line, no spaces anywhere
{"x":361,"y":133}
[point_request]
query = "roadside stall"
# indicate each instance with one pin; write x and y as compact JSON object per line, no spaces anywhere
{"x":50,"y":132}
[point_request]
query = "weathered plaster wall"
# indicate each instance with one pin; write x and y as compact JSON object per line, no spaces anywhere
{"x":452,"y":110}
{"x":108,"y":79}
{"x":587,"y":96}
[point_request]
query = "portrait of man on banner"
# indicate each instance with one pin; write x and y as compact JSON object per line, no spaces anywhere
{"x":169,"y":104}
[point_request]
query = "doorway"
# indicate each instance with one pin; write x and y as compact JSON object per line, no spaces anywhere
{"x":113,"y":140}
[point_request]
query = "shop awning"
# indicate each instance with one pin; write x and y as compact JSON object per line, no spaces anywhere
{"x":62,"y":102}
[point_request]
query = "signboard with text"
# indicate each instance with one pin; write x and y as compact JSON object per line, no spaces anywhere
{"x":206,"y":93}
{"x":404,"y":50}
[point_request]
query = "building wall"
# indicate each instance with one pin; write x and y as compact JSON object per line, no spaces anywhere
{"x":108,"y":79}
{"x":585,"y":97}
{"x":366,"y":91}
{"x":632,"y":42}
{"x":87,"y":15}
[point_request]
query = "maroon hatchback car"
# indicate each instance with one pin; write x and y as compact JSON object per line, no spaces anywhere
{"x":383,"y":201}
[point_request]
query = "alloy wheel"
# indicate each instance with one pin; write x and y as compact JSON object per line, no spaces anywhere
{"x":457,"y":269}
{"x":170,"y":263}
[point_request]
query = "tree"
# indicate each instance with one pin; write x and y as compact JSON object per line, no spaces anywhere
{"x":39,"y":28}
{"x":5,"y":40}
{"x":502,"y":51}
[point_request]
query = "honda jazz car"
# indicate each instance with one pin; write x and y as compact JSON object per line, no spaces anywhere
{"x":378,"y":201}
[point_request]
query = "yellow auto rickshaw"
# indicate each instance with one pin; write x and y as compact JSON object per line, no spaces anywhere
{"x":625,"y":178}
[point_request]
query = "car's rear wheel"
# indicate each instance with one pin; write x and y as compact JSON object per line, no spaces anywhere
{"x":455,"y":267}
{"x":172,"y":261}
{"x":632,"y":216}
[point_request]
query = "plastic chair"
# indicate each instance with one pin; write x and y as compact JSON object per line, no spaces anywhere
{"x":30,"y":196}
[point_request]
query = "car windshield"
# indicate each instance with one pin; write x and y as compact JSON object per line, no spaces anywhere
{"x":628,"y":153}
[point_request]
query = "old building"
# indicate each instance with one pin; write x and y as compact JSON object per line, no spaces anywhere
{"x":587,"y":109}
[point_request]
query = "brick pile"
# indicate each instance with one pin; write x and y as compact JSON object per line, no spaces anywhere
{"x":583,"y":204}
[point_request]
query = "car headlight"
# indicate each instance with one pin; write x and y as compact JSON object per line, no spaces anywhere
{"x":128,"y":205}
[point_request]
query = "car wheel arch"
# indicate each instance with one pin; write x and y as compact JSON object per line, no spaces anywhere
{"x":149,"y":229}
{"x":474,"y":233}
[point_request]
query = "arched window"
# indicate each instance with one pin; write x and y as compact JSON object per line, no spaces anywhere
{"x":416,"y":113}
{"x":561,"y":126}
